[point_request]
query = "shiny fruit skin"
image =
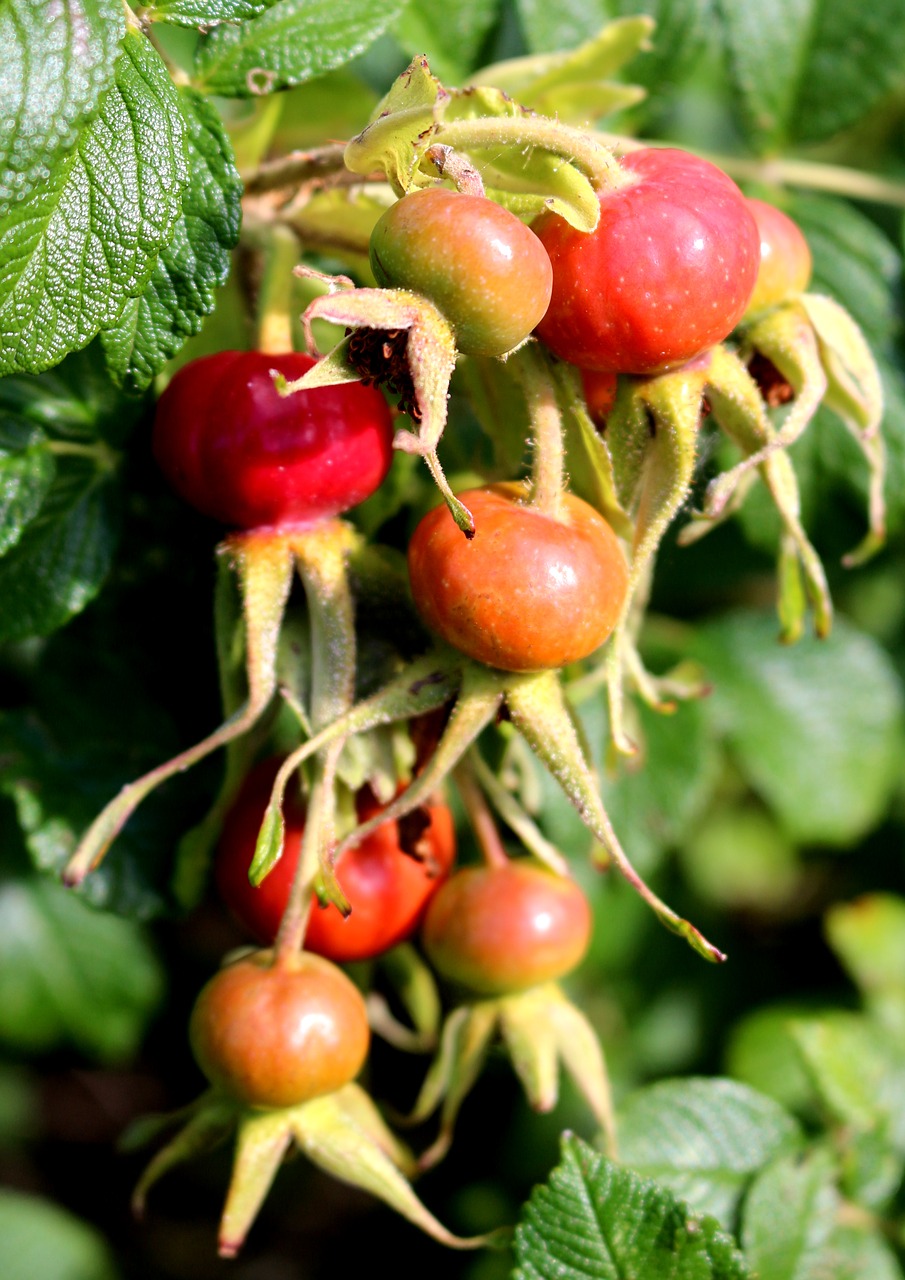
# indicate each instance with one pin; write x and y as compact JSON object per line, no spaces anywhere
{"x":238,"y":452}
{"x":666,"y":274}
{"x":527,"y":592}
{"x":785,"y":257}
{"x":485,"y":270}
{"x":277,"y":1035}
{"x":387,"y":888}
{"x":496,"y":930}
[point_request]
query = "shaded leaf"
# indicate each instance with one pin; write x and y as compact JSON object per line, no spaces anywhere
{"x":816,"y":727}
{"x":206,"y":13}
{"x":26,"y":473}
{"x":703,"y":1138}
{"x":452,"y":45}
{"x":41,"y":1239}
{"x":789,"y":1214}
{"x":293,"y":41}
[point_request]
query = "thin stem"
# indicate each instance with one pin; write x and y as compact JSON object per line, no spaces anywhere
{"x":584,"y":150}
{"x":319,"y":163}
{"x":532,"y":370}
{"x":479,"y":815}
{"x":277,"y":288}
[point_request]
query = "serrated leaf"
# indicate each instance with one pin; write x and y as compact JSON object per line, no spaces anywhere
{"x":804,"y":71}
{"x":290,"y":43}
{"x":55,"y":62}
{"x":205,"y":13}
{"x":42,"y":1239}
{"x":59,"y":563}
{"x":788,"y":1217}
{"x":70,"y":974}
{"x":181,"y":291}
{"x":815,"y":727}
{"x":91,"y":232}
{"x":593,"y":1220}
{"x":452,"y":47}
{"x":703,"y":1138}
{"x":26,"y":472}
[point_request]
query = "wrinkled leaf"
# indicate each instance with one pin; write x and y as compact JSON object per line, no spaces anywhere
{"x":55,"y":62}
{"x":88,"y":238}
{"x":593,"y":1219}
{"x":788,"y":1216}
{"x":206,"y":13}
{"x":181,"y":291}
{"x":26,"y":473}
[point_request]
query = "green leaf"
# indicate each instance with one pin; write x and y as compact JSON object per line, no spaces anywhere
{"x":70,"y":974}
{"x":206,"y":13}
{"x":453,"y":48}
{"x":816,"y":727}
{"x":181,"y":292}
{"x":91,"y":232}
{"x":593,"y":1220}
{"x":868,"y":936}
{"x":703,"y":1138}
{"x":41,"y":1239}
{"x":55,"y":62}
{"x":856,"y":1072}
{"x":58,"y":564}
{"x":856,"y":1253}
{"x":290,"y":43}
{"x":802,"y":71}
{"x":763,"y":1053}
{"x":74,"y":403}
{"x":788,"y":1217}
{"x":26,"y":473}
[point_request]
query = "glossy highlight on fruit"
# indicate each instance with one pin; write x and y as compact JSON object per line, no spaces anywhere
{"x":499,"y":929}
{"x":528,"y":592}
{"x":785,"y":256}
{"x":239,"y":452}
{"x":666,"y":274}
{"x":486,"y":271}
{"x":387,"y":887}
{"x":275,"y":1035}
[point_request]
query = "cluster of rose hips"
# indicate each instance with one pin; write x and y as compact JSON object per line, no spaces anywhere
{"x":513,"y":580}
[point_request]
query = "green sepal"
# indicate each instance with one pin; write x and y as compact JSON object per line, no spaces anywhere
{"x":588,"y":458}
{"x":416,"y":989}
{"x":262,"y":1141}
{"x":210,"y":1123}
{"x":342,"y":1137}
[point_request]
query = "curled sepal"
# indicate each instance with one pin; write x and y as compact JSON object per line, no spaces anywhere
{"x":403,"y":342}
{"x":521,"y":153}
{"x":210,"y":1121}
{"x":855,"y":394}
{"x":263,"y":562}
{"x":467,"y":1035}
{"x":739,"y":409}
{"x":589,"y":461}
{"x":542,"y":1028}
{"x":538,"y":710}
{"x":348,"y":1140}
{"x":785,"y":337}
{"x":652,"y":435}
{"x":415,"y":987}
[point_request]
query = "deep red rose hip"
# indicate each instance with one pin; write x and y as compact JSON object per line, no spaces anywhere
{"x":505,"y":928}
{"x":666,"y":274}
{"x":388,"y":886}
{"x":275,"y":1035}
{"x":485,"y":270}
{"x":528,"y":592}
{"x":785,"y":256}
{"x":241,"y":453}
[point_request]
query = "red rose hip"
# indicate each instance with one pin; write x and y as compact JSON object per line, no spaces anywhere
{"x":666,"y":274}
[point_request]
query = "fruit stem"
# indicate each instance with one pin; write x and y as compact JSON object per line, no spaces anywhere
{"x":533,"y":372}
{"x":479,"y":814}
{"x":582,"y":149}
{"x":321,"y":558}
{"x":277,"y":291}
